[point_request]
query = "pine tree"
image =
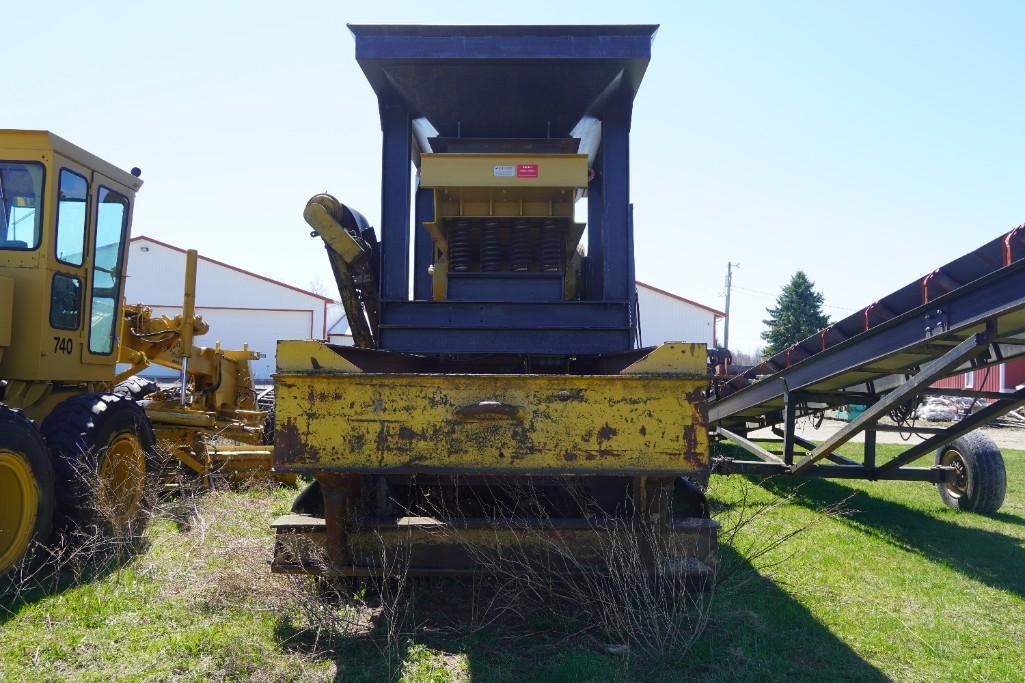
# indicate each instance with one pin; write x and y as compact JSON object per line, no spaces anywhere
{"x":797,"y":315}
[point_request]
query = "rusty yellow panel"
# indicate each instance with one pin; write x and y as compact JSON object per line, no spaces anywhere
{"x":503,"y":170}
{"x":308,"y":355}
{"x":491,"y":423}
{"x":673,"y":358}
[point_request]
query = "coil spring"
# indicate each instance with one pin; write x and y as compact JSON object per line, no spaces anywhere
{"x":520,"y":247}
{"x":490,"y":247}
{"x":459,"y":247}
{"x":551,"y":247}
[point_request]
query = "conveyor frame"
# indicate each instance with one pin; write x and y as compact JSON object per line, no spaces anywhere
{"x":887,"y":355}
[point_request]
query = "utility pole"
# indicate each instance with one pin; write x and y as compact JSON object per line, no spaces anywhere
{"x":729,"y":286}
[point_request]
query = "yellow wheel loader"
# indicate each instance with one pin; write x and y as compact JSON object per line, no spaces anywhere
{"x":64,"y":222}
{"x":76,"y":438}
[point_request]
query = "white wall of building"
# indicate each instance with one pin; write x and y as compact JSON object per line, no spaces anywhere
{"x":338,"y":331}
{"x":241,"y":307}
{"x":667,"y":317}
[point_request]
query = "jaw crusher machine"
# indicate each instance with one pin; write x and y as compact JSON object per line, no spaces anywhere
{"x":495,"y":385}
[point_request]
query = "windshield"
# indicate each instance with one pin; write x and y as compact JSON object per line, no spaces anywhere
{"x":111,"y":224}
{"x":21,"y":202}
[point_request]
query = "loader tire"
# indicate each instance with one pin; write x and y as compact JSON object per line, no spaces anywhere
{"x":136,"y":388}
{"x":981,"y":481}
{"x":102,"y":447}
{"x":26,"y":491}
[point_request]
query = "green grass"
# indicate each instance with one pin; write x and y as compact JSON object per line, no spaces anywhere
{"x":897,"y":586}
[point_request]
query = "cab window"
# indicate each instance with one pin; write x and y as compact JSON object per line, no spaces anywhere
{"x":21,"y":204}
{"x":65,"y":302}
{"x":111,"y":222}
{"x":72,"y":191}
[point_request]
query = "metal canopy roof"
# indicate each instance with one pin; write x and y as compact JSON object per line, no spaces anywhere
{"x":503,"y":81}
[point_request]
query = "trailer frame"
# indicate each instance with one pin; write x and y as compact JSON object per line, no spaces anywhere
{"x":884,"y":357}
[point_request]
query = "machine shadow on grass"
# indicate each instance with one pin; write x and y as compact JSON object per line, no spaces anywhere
{"x":527,"y":645}
{"x":747,"y":628}
{"x":987,"y":556}
{"x":760,"y":632}
{"x":751,"y":635}
{"x":75,"y":558}
{"x":88,"y":547}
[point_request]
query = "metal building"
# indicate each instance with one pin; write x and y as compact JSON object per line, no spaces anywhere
{"x":667,"y":317}
{"x":241,"y":306}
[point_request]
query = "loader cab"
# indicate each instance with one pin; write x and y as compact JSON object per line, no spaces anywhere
{"x":65,"y":217}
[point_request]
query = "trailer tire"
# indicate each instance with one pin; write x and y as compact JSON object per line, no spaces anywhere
{"x":26,"y":491}
{"x":982,"y":479}
{"x":103,"y":449}
{"x":136,"y":388}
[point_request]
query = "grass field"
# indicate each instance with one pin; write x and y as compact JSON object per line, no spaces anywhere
{"x":896,"y":586}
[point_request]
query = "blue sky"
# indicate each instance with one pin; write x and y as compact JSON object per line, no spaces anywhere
{"x":864,"y":142}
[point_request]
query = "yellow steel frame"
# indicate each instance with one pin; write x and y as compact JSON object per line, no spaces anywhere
{"x":487,"y":186}
{"x":645,"y":421}
{"x":554,"y":171}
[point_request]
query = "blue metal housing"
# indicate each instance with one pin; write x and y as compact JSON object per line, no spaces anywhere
{"x":506,"y":82}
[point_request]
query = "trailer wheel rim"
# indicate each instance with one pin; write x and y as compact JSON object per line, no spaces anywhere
{"x":20,"y":496}
{"x":122,"y":472}
{"x":959,"y":486}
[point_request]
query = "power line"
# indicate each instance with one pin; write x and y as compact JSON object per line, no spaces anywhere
{"x":773,"y":296}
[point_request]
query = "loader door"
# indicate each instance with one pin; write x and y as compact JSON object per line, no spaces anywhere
{"x":67,"y":273}
{"x":111,"y":217}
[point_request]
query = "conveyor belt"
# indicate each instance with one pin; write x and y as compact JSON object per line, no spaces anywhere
{"x":980,"y":295}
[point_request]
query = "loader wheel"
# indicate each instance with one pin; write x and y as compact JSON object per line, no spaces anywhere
{"x":981,"y":480}
{"x":26,"y":489}
{"x":136,"y":388}
{"x":102,"y":446}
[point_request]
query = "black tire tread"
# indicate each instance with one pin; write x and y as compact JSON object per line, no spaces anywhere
{"x":71,"y":432}
{"x":18,"y":429}
{"x":988,"y":476}
{"x":136,"y":388}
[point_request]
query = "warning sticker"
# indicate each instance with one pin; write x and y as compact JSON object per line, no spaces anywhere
{"x":504,"y":171}
{"x":526,"y":170}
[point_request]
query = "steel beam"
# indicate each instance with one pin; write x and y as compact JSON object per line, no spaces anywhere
{"x":831,"y":397}
{"x":990,"y":412}
{"x":965,"y":393}
{"x":615,"y":195}
{"x":397,"y":131}
{"x":753,"y":448}
{"x":789,"y":424}
{"x":970,"y":347}
{"x":902,"y":428}
{"x":935,"y":475}
{"x":989,"y":298}
{"x":810,"y":445}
